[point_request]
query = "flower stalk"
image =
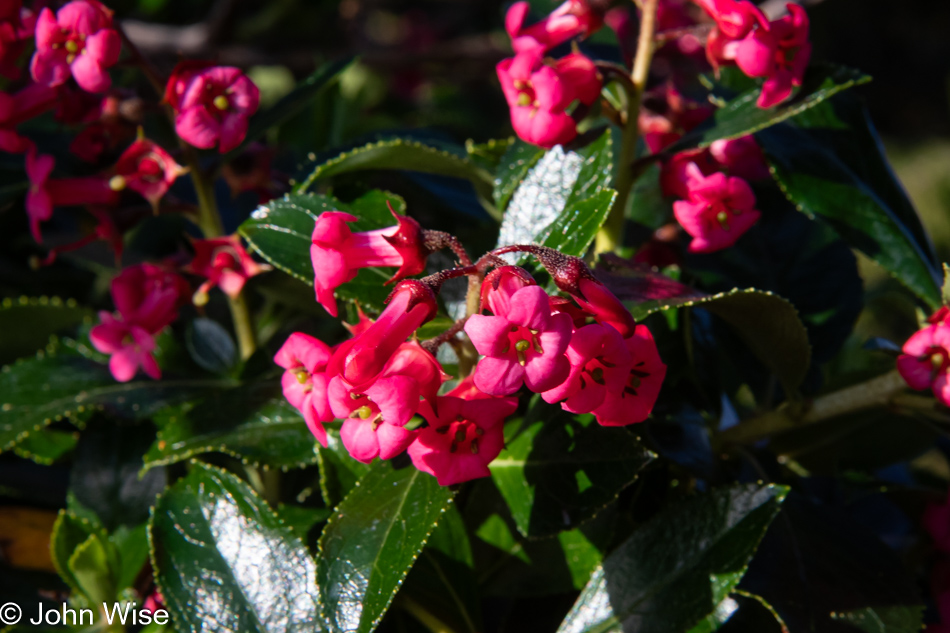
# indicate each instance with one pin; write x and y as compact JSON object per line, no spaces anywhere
{"x":610,"y":236}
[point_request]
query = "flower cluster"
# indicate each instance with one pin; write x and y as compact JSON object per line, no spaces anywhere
{"x":776,"y":50}
{"x":586,"y":354}
{"x":540,"y":90}
{"x":925,"y":362}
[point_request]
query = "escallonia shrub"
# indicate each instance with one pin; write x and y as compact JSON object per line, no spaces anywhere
{"x":665,"y":393}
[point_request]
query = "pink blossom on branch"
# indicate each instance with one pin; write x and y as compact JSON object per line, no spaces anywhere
{"x":225,"y":263}
{"x":718,"y":211}
{"x":525,"y":343}
{"x":780,"y":54}
{"x":337,"y":253}
{"x":635,"y":401}
{"x":464,"y":434}
{"x":149,"y":295}
{"x":539,"y":94}
{"x":572,"y":19}
{"x":925,"y":362}
{"x":212,"y":104}
{"x":305,"y":381}
{"x":129,"y":345}
{"x":146,"y":168}
{"x":78,"y":41}
{"x":600,"y":365}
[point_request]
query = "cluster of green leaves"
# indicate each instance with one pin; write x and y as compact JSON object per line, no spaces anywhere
{"x":251,"y":526}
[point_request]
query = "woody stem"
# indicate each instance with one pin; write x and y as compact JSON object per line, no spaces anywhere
{"x":610,"y":236}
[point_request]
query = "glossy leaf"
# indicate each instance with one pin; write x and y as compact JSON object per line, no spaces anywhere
{"x":46,"y":446}
{"x":280,"y":232}
{"x":55,"y":385}
{"x":885,"y":619}
{"x":830,"y":165}
{"x":338,"y":471}
{"x":553,"y":188}
{"x":89,"y":566}
{"x":223,"y":560}
{"x":372,"y":540}
{"x":512,"y":169}
{"x":210,"y":345}
{"x":35,"y":319}
{"x":303,"y":94}
{"x":676,"y":569}
{"x":253,"y":423}
{"x":557,"y":473}
{"x":767,"y":323}
{"x":741,"y":116}
{"x":403,"y":154}
{"x":574,"y":230}
{"x":490,"y":154}
{"x":69,"y":532}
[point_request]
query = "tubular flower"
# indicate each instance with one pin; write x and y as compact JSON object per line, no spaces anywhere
{"x":926,"y":361}
{"x":779,"y":53}
{"x":46,"y":193}
{"x":389,"y":399}
{"x":212,"y":105}
{"x":147,"y":169}
{"x":572,"y":19}
{"x":719,"y":210}
{"x":305,"y":381}
{"x":77,"y":41}
{"x":539,"y":94}
{"x":225,"y":263}
{"x":361,"y":359}
{"x":600,"y":365}
{"x":129,"y":345}
{"x":337,"y":253}
{"x":463,"y":437}
{"x":635,"y":401}
{"x":523,"y":344}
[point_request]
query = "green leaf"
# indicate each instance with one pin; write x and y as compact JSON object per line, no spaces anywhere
{"x":210,"y":345}
{"x":131,"y":544}
{"x":830,"y":165}
{"x":304,"y":93}
{"x":46,"y":446}
{"x":403,"y":154}
{"x":280,"y":231}
{"x":573,"y":231}
{"x":223,"y":560}
{"x":514,"y":165}
{"x":35,"y":319}
{"x":89,"y":566}
{"x":488,"y":155}
{"x":553,"y":188}
{"x":901,"y":619}
{"x":741,"y":116}
{"x":372,"y":540}
{"x":252,"y":423}
{"x":556,"y":474}
{"x":69,"y":532}
{"x":674,"y":571}
{"x":338,"y":471}
{"x":767,"y":323}
{"x":302,"y":519}
{"x":105,"y":476}
{"x":60,"y":383}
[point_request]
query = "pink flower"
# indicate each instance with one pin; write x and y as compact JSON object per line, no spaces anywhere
{"x":212,"y":105}
{"x":719,"y":210}
{"x":337,"y":253}
{"x":635,"y":401}
{"x":572,"y":19}
{"x":147,"y":169}
{"x":149,"y":295}
{"x":741,"y":157}
{"x":779,"y":53}
{"x":539,"y":94}
{"x":523,"y":344}
{"x":668,"y":124}
{"x":305,"y":381}
{"x":389,"y":399}
{"x":129,"y":345}
{"x":79,"y":41}
{"x":225,"y":263}
{"x":27,"y":103}
{"x":600,"y":364}
{"x":46,"y":193}
{"x":463,"y":436}
{"x":734,"y":18}
{"x":926,"y":361}
{"x":361,"y":359}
